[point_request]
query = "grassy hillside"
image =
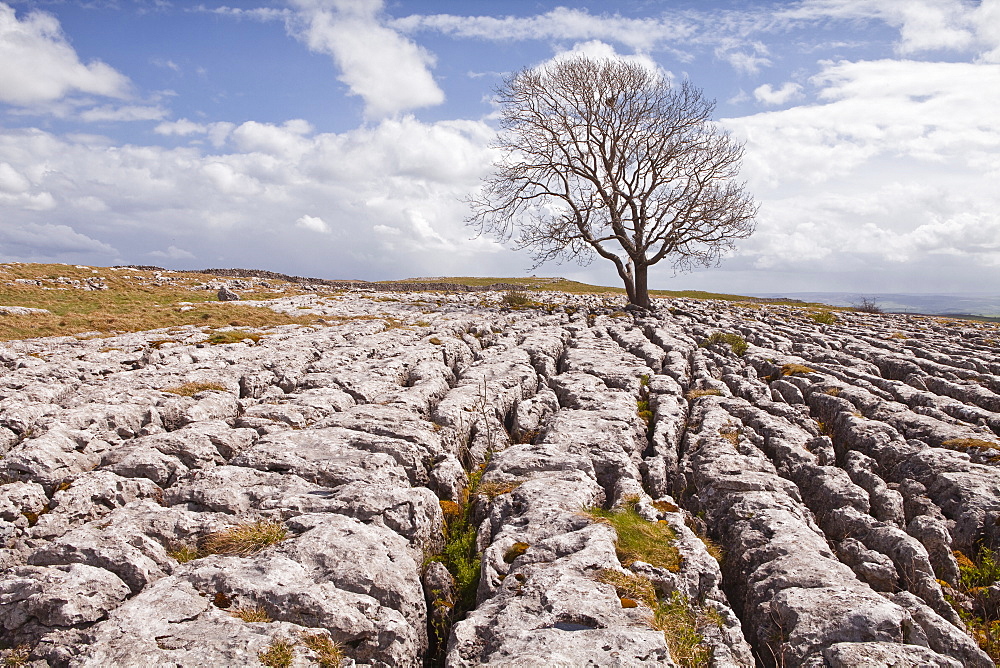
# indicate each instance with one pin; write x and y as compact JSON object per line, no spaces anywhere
{"x":575,"y":287}
{"x":102,"y":300}
{"x":131,"y":300}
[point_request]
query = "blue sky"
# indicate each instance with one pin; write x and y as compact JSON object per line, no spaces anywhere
{"x":337,"y":138}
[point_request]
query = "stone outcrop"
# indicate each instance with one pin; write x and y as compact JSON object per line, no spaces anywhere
{"x":821,"y":498}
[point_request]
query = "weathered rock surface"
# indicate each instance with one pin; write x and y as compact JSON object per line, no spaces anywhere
{"x":825,"y":490}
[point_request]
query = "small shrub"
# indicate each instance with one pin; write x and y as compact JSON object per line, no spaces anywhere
{"x":329,"y":654}
{"x":711,"y":392}
{"x":191,"y":389}
{"x":515,"y":298}
{"x":823,"y":318}
{"x":679,"y":623}
{"x":629,"y":586}
{"x":245,"y":539}
{"x":247,"y":614}
{"x":515,"y":551}
{"x":868,"y":306}
{"x":736,"y":342}
{"x":639,"y":540}
{"x":982,"y":572}
{"x":279,"y":654}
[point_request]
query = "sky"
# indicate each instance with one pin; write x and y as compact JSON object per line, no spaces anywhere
{"x":340,"y":138}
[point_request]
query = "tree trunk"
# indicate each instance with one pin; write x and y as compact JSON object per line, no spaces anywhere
{"x":640,"y":296}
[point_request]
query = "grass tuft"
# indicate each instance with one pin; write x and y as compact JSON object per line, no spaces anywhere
{"x":679,"y":623}
{"x":735,"y":342}
{"x":233,"y":336}
{"x":184,"y":554}
{"x":711,"y":392}
{"x":279,"y":654}
{"x":245,"y":539}
{"x":639,"y":540}
{"x":823,"y":318}
{"x":16,"y":656}
{"x":629,"y":586}
{"x":329,"y":654}
{"x":248,"y":614}
{"x":965,"y":444}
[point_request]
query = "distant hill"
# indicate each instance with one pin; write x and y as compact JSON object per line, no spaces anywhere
{"x":945,"y":304}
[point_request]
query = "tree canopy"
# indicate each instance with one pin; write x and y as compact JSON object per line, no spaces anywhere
{"x":608,"y":157}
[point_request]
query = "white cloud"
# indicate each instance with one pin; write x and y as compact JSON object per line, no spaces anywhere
{"x":743,"y":56}
{"x":389,"y":72}
{"x":181,"y":128}
{"x":123,"y":113}
{"x":927,"y":111}
{"x":924,"y":25}
{"x":226,"y":206}
{"x":563,"y":23}
{"x":598,"y":50}
{"x":908,"y":164}
{"x":40,"y":66}
{"x":173,"y":253}
{"x":769,"y":95}
{"x":313,"y":223}
{"x":42,"y":239}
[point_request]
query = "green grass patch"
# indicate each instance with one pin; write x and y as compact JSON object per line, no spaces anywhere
{"x":735,"y":342}
{"x":279,"y":654}
{"x":639,"y":540}
{"x":823,"y":318}
{"x":679,"y":621}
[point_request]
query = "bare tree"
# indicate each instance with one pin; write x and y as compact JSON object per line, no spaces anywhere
{"x":607,"y":156}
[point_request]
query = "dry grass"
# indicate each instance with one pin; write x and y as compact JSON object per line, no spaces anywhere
{"x":191,"y":389}
{"x":244,"y":539}
{"x":16,"y":656}
{"x":515,"y":551}
{"x":629,"y":586}
{"x":233,"y":336}
{"x":731,"y":433}
{"x":965,"y":444}
{"x":248,"y":614}
{"x":792,"y":368}
{"x":694,"y":394}
{"x":495,"y":489}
